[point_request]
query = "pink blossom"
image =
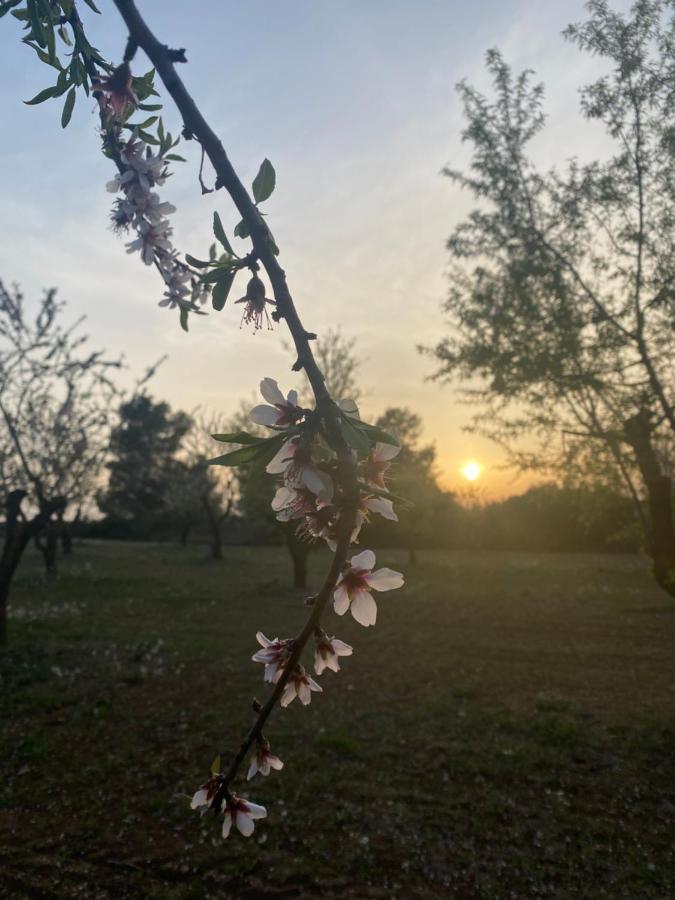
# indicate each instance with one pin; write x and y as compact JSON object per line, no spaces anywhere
{"x":151,"y":240}
{"x":301,"y":685}
{"x":291,"y":503}
{"x":117,"y":91}
{"x":353,"y":590}
{"x":377,"y":463}
{"x":242,"y":813}
{"x":294,"y":462}
{"x":255,"y":300}
{"x":264,"y":761}
{"x":327,"y":651}
{"x":283,"y":411}
{"x":203,"y":798}
{"x":274,"y":655}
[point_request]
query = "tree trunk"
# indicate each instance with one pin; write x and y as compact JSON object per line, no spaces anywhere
{"x":46,"y":541}
{"x":215,"y":520}
{"x":660,"y":496}
{"x":299,"y":551}
{"x":66,"y":533}
{"x":185,"y":533}
{"x":18,"y":534}
{"x":66,"y":539}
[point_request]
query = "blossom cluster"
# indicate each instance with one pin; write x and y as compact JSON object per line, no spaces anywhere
{"x":141,"y":210}
{"x":309,"y":493}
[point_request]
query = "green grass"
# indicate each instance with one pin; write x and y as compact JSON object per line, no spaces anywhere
{"x":506,"y":731}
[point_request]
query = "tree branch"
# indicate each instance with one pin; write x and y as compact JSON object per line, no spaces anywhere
{"x":196,"y":126}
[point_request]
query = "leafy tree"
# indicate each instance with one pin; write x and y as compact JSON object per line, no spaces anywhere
{"x":143,"y":464}
{"x":562,"y":302}
{"x":57,"y":407}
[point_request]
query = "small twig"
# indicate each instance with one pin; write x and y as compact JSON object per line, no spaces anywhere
{"x":204,"y":188}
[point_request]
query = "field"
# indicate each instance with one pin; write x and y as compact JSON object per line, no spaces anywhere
{"x":506,"y":731}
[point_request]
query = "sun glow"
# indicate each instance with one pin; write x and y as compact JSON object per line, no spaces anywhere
{"x":471,"y":470}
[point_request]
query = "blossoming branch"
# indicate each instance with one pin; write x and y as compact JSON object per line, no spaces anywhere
{"x":329,"y":465}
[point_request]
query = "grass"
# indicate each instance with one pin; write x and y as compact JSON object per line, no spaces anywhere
{"x":506,"y":731}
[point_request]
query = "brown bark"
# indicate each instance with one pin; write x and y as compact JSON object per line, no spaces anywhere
{"x":659,"y":488}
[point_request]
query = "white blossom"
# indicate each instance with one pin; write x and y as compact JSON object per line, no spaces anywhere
{"x":327,"y":651}
{"x":353,"y":590}
{"x":241,"y":813}
{"x":301,"y":685}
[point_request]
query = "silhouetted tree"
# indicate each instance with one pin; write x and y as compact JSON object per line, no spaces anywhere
{"x":564,"y":325}
{"x":143,"y":464}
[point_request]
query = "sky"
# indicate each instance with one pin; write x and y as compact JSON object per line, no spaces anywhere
{"x":354,"y":102}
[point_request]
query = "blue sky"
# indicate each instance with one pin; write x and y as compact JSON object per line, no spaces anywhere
{"x":354,"y":103}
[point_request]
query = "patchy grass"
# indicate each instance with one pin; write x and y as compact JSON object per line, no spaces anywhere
{"x":506,"y":731}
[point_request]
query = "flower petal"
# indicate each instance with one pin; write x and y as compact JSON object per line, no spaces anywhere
{"x":227,"y":823}
{"x":363,"y":560}
{"x":384,"y":580}
{"x":244,"y":823}
{"x":253,"y":768}
{"x":288,"y":695}
{"x":364,"y":608}
{"x":279,"y":463}
{"x":385,"y":452}
{"x":264,"y":415}
{"x":341,"y":600}
{"x":270,"y":391}
{"x":199,"y":799}
{"x":340,"y":648}
{"x":292,"y":398}
{"x":255,"y":811}
{"x":382,"y":506}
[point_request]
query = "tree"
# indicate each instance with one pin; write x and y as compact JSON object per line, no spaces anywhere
{"x":216,"y":487}
{"x":57,"y":403}
{"x":428,"y":514}
{"x":564,"y":322}
{"x":143,"y":463}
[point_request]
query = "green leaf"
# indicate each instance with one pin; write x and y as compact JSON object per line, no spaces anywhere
{"x":237,"y":437}
{"x":374,"y":433}
{"x":220,"y":273}
{"x":215,"y":765}
{"x":146,"y":124}
{"x":241,"y":230}
{"x":197,"y":263}
{"x":175,"y":157}
{"x":149,"y":107}
{"x":264,"y":181}
{"x":219,"y":234}
{"x":9,"y":4}
{"x":220,"y":291}
{"x":63,"y":34}
{"x":68,"y":107}
{"x":261,"y":451}
{"x":353,"y":436}
{"x":184,"y":319}
{"x":92,"y":5}
{"x":147,"y":137}
{"x":43,"y":95}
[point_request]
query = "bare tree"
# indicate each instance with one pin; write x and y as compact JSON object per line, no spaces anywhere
{"x":57,"y":403}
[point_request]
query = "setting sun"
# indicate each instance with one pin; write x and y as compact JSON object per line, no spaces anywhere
{"x":471,"y":470}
